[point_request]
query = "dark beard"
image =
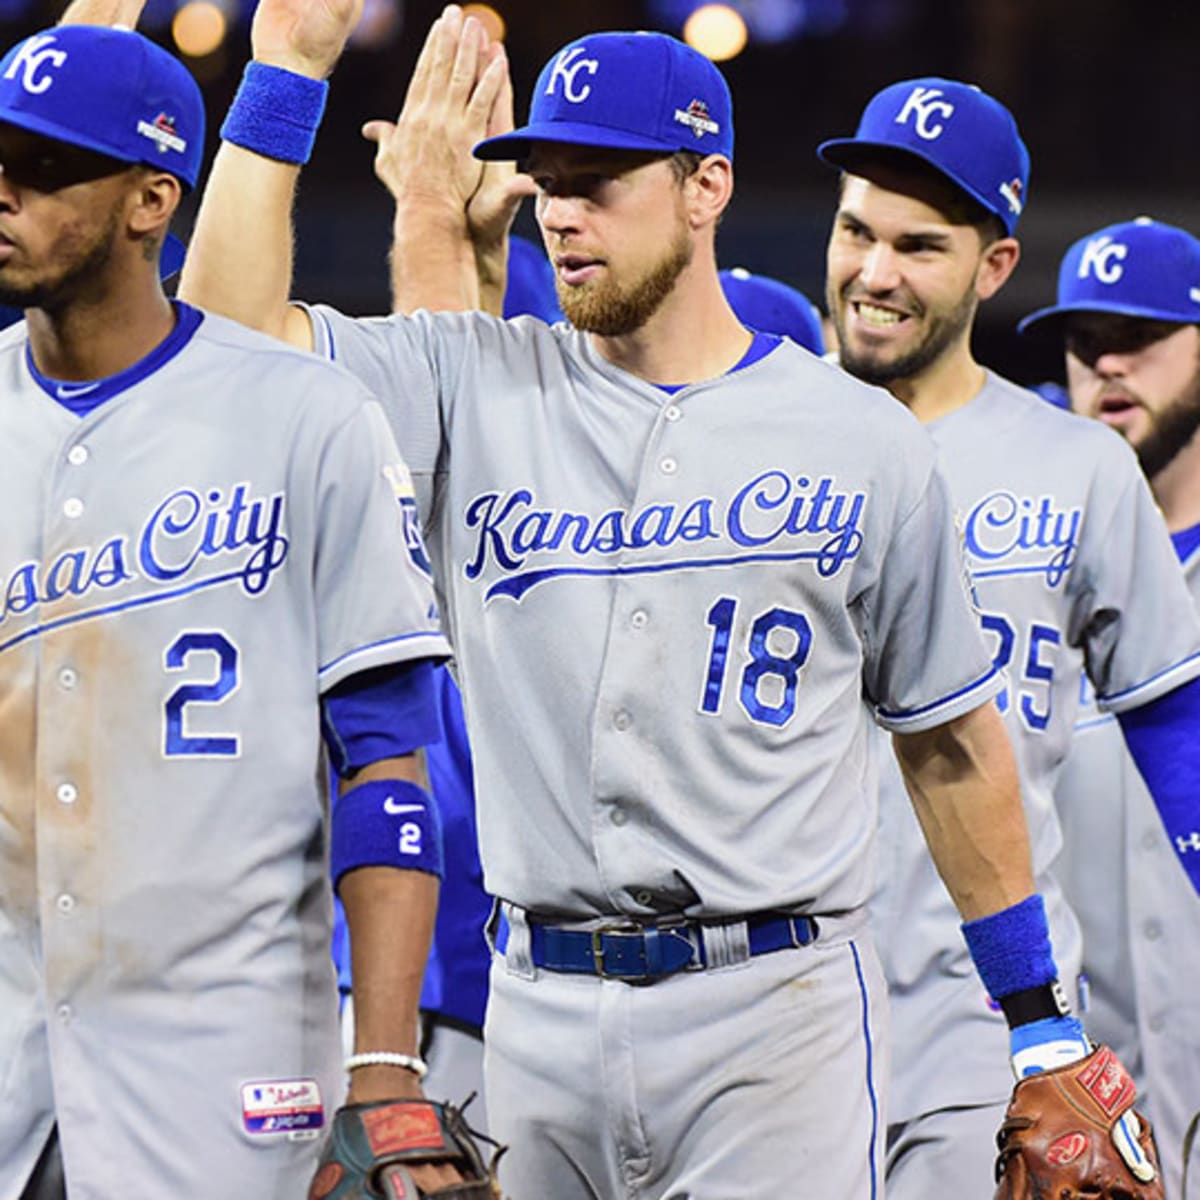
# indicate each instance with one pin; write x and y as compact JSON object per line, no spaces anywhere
{"x":1173,"y":428}
{"x":72,"y":281}
{"x":882,"y":372}
{"x":610,"y":312}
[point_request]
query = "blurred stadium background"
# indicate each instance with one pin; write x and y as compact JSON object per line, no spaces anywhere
{"x":1104,"y":92}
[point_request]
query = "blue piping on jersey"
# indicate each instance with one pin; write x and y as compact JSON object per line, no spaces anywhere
{"x":517,"y":585}
{"x":1042,"y":569}
{"x":1147,"y":683}
{"x":391,"y":641}
{"x":866,"y":1025}
{"x":108,"y":610}
{"x":905,"y":714}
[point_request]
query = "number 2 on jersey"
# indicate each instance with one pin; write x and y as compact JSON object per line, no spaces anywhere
{"x":779,"y":703}
{"x":176,"y":742}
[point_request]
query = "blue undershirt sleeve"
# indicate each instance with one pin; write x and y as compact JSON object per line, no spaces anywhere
{"x":1164,"y":739}
{"x":381,"y":713}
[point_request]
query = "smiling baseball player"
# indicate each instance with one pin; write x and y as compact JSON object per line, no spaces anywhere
{"x":1128,"y":313}
{"x":1060,"y":533}
{"x":687,"y":569}
{"x":186,"y":506}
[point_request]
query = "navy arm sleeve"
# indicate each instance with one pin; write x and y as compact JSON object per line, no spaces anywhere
{"x":1164,"y":739}
{"x":383,"y":712}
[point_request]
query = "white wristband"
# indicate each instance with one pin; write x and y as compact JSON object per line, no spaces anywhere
{"x":388,"y":1058}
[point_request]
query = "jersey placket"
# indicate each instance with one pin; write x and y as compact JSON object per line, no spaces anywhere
{"x":630,"y":689}
{"x":69,"y":693}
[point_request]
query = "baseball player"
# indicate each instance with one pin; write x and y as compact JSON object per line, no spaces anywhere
{"x":1128,"y":312}
{"x":454,"y":991}
{"x":1061,"y":534}
{"x":186,"y":504}
{"x":684,"y":566}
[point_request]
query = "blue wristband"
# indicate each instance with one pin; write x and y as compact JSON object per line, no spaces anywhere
{"x":1011,"y":948}
{"x":385,"y":823}
{"x":276,"y":113}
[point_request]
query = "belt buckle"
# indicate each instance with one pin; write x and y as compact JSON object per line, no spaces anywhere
{"x":617,"y":928}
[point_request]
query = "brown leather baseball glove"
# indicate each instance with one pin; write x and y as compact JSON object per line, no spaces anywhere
{"x":1072,"y":1134}
{"x":372,"y":1146}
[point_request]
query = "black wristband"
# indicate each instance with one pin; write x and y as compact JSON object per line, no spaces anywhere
{"x":1034,"y":1004}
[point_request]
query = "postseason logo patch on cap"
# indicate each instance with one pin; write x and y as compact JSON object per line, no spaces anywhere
{"x":696,"y":117}
{"x":161,"y":131}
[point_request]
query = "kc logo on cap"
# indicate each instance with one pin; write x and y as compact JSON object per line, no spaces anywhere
{"x":1102,"y":257}
{"x":36,"y":53}
{"x":925,"y":105}
{"x":566,"y":67}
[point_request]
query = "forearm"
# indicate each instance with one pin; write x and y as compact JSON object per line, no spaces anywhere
{"x":962,"y":779}
{"x":433,"y":262}
{"x":390,"y":917}
{"x":239,"y":259}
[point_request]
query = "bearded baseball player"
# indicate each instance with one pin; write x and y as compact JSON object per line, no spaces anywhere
{"x":687,"y":570}
{"x":206,"y":560}
{"x":1128,"y":313}
{"x":1061,"y":533}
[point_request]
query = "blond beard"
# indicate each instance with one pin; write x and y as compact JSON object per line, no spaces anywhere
{"x":604,"y":307}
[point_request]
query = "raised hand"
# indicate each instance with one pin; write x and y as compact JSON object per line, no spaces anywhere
{"x":426,"y":152}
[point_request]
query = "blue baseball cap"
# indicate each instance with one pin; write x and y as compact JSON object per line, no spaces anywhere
{"x":108,"y":90}
{"x":1139,"y":268}
{"x":962,"y":132}
{"x":771,"y":306}
{"x":627,"y":91}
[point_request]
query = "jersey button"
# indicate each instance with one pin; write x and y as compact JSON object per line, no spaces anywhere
{"x":67,"y":793}
{"x":640,"y":619}
{"x":77,"y":455}
{"x":65,"y":904}
{"x":1150,"y":840}
{"x":67,"y":678}
{"x":73,"y":507}
{"x":1153,"y":930}
{"x":622,"y":720}
{"x":64,"y":1013}
{"x":668,"y":466}
{"x":619,"y":815}
{"x":643,"y":897}
{"x":672,"y":412}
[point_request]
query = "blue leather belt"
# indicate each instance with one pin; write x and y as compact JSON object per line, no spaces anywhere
{"x":642,"y":952}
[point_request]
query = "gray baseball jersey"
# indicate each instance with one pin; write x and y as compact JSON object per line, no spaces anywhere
{"x":183,"y":571}
{"x":674,"y":616}
{"x":1139,"y":919}
{"x":1061,"y":535}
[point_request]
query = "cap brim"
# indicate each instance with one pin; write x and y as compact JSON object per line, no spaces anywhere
{"x":516,"y":145}
{"x":1043,"y":318}
{"x":50,"y":129}
{"x":848,"y":153}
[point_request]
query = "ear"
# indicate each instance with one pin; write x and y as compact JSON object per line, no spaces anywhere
{"x":708,"y":190}
{"x":152,"y":203}
{"x":998,"y":262}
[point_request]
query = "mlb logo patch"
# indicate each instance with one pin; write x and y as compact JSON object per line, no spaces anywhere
{"x":282,"y":1106}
